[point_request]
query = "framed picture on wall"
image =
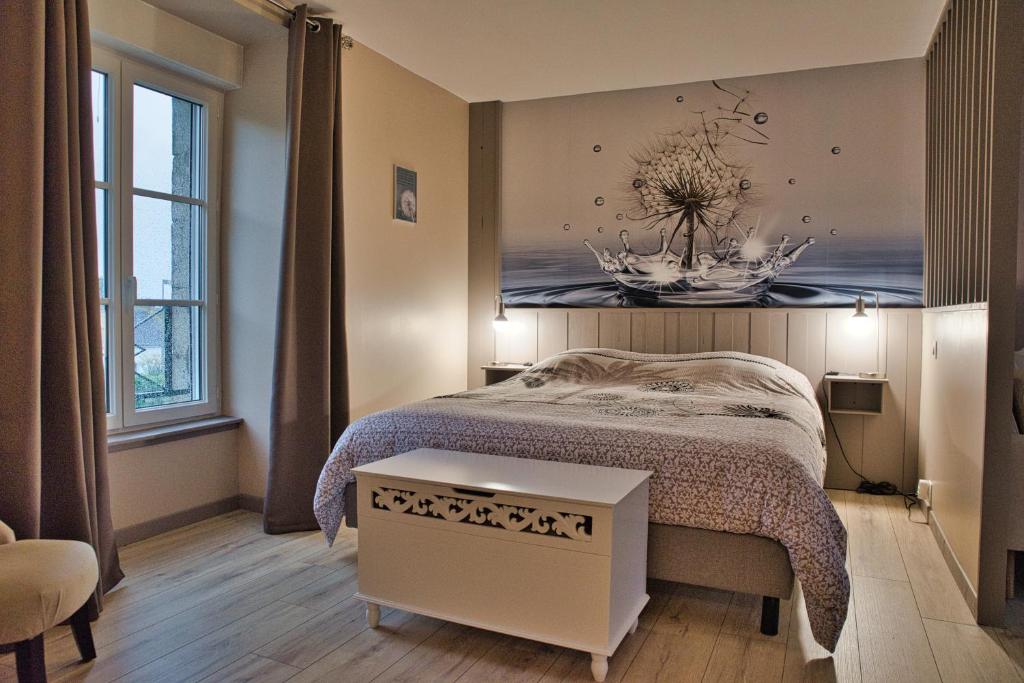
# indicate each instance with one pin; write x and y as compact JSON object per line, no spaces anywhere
{"x":405,"y":195}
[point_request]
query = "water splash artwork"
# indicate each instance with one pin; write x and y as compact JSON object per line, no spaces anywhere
{"x":691,"y":185}
{"x":733,"y":273}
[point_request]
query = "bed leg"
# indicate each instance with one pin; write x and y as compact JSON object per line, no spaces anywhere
{"x":770,"y":616}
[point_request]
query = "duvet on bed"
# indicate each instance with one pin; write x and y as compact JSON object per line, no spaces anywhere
{"x":735,"y":441}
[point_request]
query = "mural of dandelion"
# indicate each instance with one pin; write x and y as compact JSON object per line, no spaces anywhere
{"x":713,"y":193}
{"x":692,"y":185}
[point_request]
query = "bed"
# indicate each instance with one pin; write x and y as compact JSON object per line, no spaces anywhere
{"x":736,"y":442}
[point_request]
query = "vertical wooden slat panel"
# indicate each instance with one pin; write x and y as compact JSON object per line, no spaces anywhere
{"x":987,"y":113}
{"x":706,"y":331}
{"x":959,"y":154}
{"x":943,"y":190}
{"x":978,"y":156}
{"x":845,"y":352}
{"x":911,"y":436}
{"x":955,"y":168}
{"x":723,"y":339}
{"x":929,"y":172}
{"x":583,"y":329}
{"x":884,"y":437}
{"x":806,"y":344}
{"x":518,"y":343}
{"x":953,"y":205}
{"x":638,"y":332}
{"x":672,"y":333}
{"x":651,"y":327}
{"x":613,"y":330}
{"x":689,"y":332}
{"x":552,"y":332}
{"x":768,"y":334}
{"x":970,"y":233}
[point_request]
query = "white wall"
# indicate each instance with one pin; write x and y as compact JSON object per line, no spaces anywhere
{"x":152,"y":35}
{"x":253,"y":201}
{"x":152,"y":482}
{"x":158,"y":481}
{"x":406,"y":285}
{"x":953,"y":426}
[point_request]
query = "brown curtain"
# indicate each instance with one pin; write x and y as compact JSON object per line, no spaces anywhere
{"x":309,"y":405}
{"x":53,"y":438}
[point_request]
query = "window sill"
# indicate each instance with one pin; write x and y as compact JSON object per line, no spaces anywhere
{"x":124,"y":441}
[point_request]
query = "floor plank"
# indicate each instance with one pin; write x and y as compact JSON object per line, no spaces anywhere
{"x":743,"y":618}
{"x":224,"y":646}
{"x":370,"y":653}
{"x":246,"y":609}
{"x":253,"y":668}
{"x":743,"y":658}
{"x":320,"y":635}
{"x":149,"y":644}
{"x":966,"y":652}
{"x":571,"y":665}
{"x":809,"y":662}
{"x":682,"y":639}
{"x":935,"y":590}
{"x":512,"y":660}
{"x":874,"y":551}
{"x":444,"y":656}
{"x":891,"y":637}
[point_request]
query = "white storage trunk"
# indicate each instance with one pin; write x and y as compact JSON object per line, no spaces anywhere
{"x":550,"y":551}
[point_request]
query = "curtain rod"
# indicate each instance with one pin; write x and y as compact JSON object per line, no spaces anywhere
{"x":346,"y":41}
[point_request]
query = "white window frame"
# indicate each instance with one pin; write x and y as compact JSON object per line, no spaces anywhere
{"x":123,"y":74}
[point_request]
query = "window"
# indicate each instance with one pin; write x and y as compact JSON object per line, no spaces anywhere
{"x":156,"y":138}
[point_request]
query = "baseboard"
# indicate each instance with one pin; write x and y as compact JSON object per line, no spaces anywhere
{"x":176,"y":520}
{"x":249,"y":502}
{"x":955,"y":568}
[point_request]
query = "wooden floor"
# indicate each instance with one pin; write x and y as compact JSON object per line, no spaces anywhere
{"x":221,"y":601}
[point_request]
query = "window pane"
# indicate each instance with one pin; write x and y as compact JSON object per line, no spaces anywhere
{"x":99,"y":124}
{"x":166,"y":361}
{"x":165,"y":249}
{"x":102,"y":232}
{"x":163,"y":139}
{"x":104,"y":329}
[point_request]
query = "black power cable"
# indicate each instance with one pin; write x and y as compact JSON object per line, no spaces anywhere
{"x":867,"y":486}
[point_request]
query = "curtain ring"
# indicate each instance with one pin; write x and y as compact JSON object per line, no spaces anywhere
{"x":314,"y":27}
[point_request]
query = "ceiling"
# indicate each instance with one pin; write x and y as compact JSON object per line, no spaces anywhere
{"x":525,"y":49}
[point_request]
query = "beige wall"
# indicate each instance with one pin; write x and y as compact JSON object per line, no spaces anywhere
{"x":953,"y":426}
{"x":406,"y":284}
{"x":158,"y":481}
{"x":407,"y":310}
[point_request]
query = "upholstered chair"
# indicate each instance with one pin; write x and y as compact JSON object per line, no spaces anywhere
{"x":42,"y":584}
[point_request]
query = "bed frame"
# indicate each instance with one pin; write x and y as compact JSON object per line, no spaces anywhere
{"x":743,"y":563}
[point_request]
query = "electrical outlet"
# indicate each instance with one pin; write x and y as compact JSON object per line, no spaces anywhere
{"x":924,"y":491}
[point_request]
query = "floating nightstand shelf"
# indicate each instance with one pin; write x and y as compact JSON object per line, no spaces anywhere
{"x":855,"y":395}
{"x":499,"y":372}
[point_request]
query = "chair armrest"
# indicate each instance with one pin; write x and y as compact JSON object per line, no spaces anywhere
{"x":6,"y":534}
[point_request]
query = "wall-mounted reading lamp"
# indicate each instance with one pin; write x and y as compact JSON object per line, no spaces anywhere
{"x":501,"y":323}
{"x":861,"y":317}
